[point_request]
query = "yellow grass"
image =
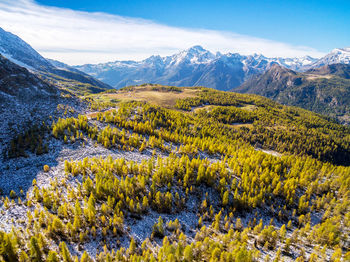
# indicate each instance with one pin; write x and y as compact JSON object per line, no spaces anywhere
{"x":249,"y":107}
{"x":238,"y":125}
{"x":313,"y":77}
{"x":208,"y":108}
{"x":94,"y":114}
{"x":162,"y":98}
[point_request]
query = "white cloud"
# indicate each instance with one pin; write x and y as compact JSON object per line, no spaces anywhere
{"x":78,"y":37}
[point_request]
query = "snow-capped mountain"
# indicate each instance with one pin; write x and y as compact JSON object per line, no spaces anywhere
{"x":191,"y":67}
{"x":19,"y":52}
{"x":336,"y":56}
{"x":16,"y":50}
{"x":297,"y":63}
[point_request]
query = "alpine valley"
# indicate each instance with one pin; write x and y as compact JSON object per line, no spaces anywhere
{"x":98,"y":164}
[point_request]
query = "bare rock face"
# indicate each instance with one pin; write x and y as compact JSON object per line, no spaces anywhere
{"x":18,"y":51}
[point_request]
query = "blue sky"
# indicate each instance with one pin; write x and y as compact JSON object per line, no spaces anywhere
{"x":321,"y":24}
{"x":90,"y":31}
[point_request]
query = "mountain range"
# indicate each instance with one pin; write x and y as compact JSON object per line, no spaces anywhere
{"x":199,"y":67}
{"x":321,"y":85}
{"x":192,"y":67}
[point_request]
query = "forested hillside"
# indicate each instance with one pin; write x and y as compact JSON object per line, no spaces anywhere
{"x":178,"y":174}
{"x":325,"y":90}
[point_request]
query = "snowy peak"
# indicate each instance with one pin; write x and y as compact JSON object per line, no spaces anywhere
{"x":154,"y":60}
{"x":197,"y":48}
{"x":345,"y":50}
{"x":195,"y":55}
{"x":340,"y":55}
{"x":336,"y":56}
{"x":296,"y":63}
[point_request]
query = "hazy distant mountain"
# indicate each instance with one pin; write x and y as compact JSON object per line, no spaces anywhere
{"x":19,"y":52}
{"x":72,"y":73}
{"x":192,"y":67}
{"x":324,"y":90}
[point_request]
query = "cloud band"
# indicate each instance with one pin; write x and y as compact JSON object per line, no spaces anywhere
{"x":77,"y":37}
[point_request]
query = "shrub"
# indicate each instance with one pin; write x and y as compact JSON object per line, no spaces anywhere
{"x":13,"y":194}
{"x":46,"y":168}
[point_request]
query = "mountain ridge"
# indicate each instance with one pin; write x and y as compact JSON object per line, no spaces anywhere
{"x":324,"y":90}
{"x":21,"y":53}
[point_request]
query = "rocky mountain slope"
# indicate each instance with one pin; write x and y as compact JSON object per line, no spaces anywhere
{"x":325,"y":90}
{"x":18,"y":51}
{"x":25,"y":101}
{"x":192,"y":67}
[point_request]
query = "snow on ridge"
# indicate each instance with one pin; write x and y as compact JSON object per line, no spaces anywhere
{"x":13,"y":60}
{"x":196,"y":55}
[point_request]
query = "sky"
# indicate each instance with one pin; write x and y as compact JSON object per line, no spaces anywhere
{"x":90,"y":31}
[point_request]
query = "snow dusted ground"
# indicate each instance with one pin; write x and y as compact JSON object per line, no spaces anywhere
{"x":270,"y":152}
{"x":17,"y":174}
{"x":14,"y":216}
